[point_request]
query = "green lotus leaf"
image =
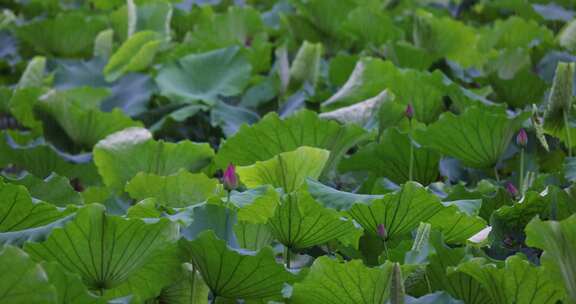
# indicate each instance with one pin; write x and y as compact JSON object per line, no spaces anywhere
{"x":33,"y":76}
{"x":154,"y":16}
{"x":457,"y":226}
{"x":180,"y":189}
{"x":458,"y":284}
{"x":520,"y":8}
{"x":114,"y":156}
{"x":330,"y":281}
{"x":134,"y":55}
{"x":570,"y":168}
{"x":505,"y":34}
{"x":425,"y":91}
{"x":390,"y":158}
{"x":306,"y":65}
{"x":366,"y":113}
{"x":55,"y":189}
{"x":130,"y":93}
{"x":253,"y":236}
{"x":272,"y":136}
{"x":233,"y":275}
{"x":469,"y":138}
{"x":407,"y":55}
{"x":567,"y":37}
{"x":520,"y":90}
{"x":288,"y":170}
{"x":510,"y":220}
{"x":136,"y":16}
{"x":558,"y":240}
{"x":202,"y":78}
{"x":438,"y":297}
{"x":23,"y":281}
{"x":517,"y":282}
{"x":104,"y":43}
{"x":151,"y":279}
{"x":255,"y":205}
{"x":230,"y":118}
{"x":560,"y":100}
{"x":187,"y":288}
{"x":336,"y":199}
{"x":399,"y":212}
{"x":236,"y":26}
{"x":181,"y":114}
{"x":19,"y":212}
{"x":216,"y":217}
{"x":42,"y":160}
{"x":448,"y":38}
{"x":113,"y":255}
{"x":381,"y":25}
{"x":66,"y":35}
{"x":301,"y":222}
{"x":69,"y":286}
{"x":82,"y":122}
{"x":366,"y":81}
{"x":340,"y":67}
{"x":36,"y":234}
{"x":21,"y":106}
{"x":331,"y":25}
{"x":145,"y":209}
{"x":508,"y":64}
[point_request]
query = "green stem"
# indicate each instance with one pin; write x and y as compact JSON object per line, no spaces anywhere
{"x":568,"y":137}
{"x":428,"y":282}
{"x":496,"y":174}
{"x":521,"y":185}
{"x":385,"y":249}
{"x":287,"y":256}
{"x":411,"y":166}
{"x":227,"y":219}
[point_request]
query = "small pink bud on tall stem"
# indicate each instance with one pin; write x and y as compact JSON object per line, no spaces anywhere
{"x":511,"y":189}
{"x":382,"y":231}
{"x":409,"y":111}
{"x":522,"y":138}
{"x":230,"y":180}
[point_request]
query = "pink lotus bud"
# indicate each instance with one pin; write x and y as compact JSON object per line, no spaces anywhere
{"x":230,"y":180}
{"x":511,"y":189}
{"x":382,"y":231}
{"x":522,"y":138}
{"x":409,"y":111}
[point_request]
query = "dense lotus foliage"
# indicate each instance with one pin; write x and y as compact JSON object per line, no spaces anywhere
{"x":290,"y":151}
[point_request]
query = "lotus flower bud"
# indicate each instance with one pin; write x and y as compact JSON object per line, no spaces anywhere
{"x":522,"y":138}
{"x":230,"y":180}
{"x":382,"y":231}
{"x":409,"y":111}
{"x":512,"y":189}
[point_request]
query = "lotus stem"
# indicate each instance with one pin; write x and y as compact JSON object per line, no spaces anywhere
{"x":411,"y":165}
{"x":227,"y":219}
{"x":411,"y":168}
{"x":385,"y":249}
{"x":521,"y":171}
{"x":568,"y":137}
{"x":287,"y":256}
{"x":428,"y":284}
